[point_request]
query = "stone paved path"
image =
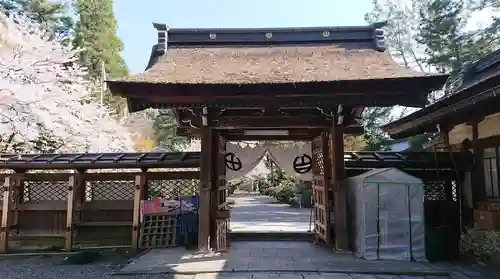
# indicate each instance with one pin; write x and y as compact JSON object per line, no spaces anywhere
{"x":252,"y":212}
{"x":272,"y":258}
{"x":277,"y":275}
{"x":279,"y":259}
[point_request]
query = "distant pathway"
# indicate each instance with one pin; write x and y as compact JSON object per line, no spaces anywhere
{"x":253,"y":212}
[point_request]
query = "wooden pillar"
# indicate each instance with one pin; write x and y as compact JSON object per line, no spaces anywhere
{"x":76,"y":198}
{"x":214,"y":189}
{"x":140,"y":186}
{"x":79,"y":197}
{"x":477,"y":175}
{"x":18,"y":198}
{"x":205,"y":188}
{"x":8,"y":187}
{"x":327,"y":187}
{"x":339,"y":188}
{"x":68,"y":244}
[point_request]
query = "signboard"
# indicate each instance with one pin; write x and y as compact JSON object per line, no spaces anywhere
{"x":177,"y":205}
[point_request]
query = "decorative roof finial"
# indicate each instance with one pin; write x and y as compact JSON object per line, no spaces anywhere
{"x":162,"y":29}
{"x":379,"y":35}
{"x":380,"y":24}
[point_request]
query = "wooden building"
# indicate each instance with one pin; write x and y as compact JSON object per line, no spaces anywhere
{"x":469,"y":119}
{"x":273,"y":84}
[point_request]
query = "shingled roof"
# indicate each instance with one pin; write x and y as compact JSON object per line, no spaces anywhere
{"x":476,"y":96}
{"x":245,"y":56}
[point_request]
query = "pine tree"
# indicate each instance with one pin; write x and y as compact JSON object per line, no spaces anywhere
{"x":165,"y":128}
{"x":373,"y":118}
{"x":449,"y":48}
{"x":400,"y":36}
{"x":95,"y":34}
{"x":402,"y":24}
{"x":441,"y":25}
{"x":52,"y":18}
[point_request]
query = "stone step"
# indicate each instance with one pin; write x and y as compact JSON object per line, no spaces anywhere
{"x":272,"y":236}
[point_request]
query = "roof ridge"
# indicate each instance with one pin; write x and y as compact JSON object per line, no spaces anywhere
{"x":223,"y":37}
{"x":486,"y":61}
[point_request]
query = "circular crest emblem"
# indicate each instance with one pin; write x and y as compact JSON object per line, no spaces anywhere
{"x":233,"y":162}
{"x":302,"y":163}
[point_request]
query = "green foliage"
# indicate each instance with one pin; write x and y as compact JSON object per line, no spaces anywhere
{"x":263,"y":186}
{"x":283,"y":191}
{"x":417,"y":143}
{"x":429,"y":36}
{"x":307,"y":198}
{"x":285,"y":194}
{"x":166,"y":133}
{"x":448,"y":47}
{"x":441,"y":24}
{"x":481,"y":244}
{"x":95,"y":35}
{"x":154,"y":192}
{"x":354,"y":143}
{"x":276,"y":176}
{"x":53,"y":18}
{"x":269,"y":191}
{"x":373,"y":118}
{"x":277,"y":184}
{"x":157,"y":191}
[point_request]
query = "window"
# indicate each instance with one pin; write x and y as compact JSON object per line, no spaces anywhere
{"x":491,"y":167}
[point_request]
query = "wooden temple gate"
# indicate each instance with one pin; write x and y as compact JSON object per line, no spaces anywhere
{"x":321,"y":182}
{"x":222,"y":215}
{"x":214,"y":214}
{"x":329,"y":191}
{"x":273,"y":84}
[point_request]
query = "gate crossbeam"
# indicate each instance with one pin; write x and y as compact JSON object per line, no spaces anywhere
{"x":354,"y":160}
{"x":100,"y":160}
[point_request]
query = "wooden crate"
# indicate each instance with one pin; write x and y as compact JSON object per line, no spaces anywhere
{"x":158,"y":231}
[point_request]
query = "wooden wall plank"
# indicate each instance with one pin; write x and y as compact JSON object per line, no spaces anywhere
{"x":140,"y":185}
{"x":339,"y":189}
{"x":6,"y":214}
{"x":327,"y":175}
{"x":68,"y":244}
{"x":205,"y":188}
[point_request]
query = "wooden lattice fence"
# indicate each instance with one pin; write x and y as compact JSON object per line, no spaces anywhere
{"x":101,"y":214}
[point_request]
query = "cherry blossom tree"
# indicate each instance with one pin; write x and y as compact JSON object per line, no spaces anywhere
{"x":45,"y":103}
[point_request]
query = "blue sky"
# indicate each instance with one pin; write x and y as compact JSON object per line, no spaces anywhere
{"x":135,"y":18}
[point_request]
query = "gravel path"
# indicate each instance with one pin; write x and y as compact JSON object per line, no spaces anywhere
{"x":51,"y":268}
{"x":253,"y":212}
